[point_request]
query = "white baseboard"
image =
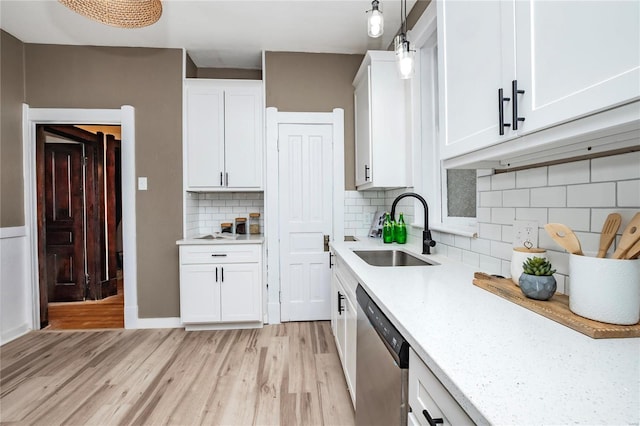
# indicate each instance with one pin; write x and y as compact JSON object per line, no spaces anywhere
{"x":13,"y":232}
{"x":170,"y":322}
{"x":13,"y":334}
{"x":274,"y":312}
{"x":223,"y":326}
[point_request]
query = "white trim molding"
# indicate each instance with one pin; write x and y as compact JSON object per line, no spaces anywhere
{"x":15,"y":303}
{"x":273,"y":121}
{"x":124,"y":117}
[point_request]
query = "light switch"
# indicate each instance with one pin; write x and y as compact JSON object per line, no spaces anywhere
{"x":142,"y":183}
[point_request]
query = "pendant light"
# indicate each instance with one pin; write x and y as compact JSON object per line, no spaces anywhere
{"x":118,"y":13}
{"x":404,"y":54}
{"x":375,"y":23}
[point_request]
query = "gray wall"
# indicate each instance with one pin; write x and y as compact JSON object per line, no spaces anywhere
{"x":151,"y":81}
{"x":11,"y":99}
{"x":230,"y":73}
{"x":315,"y":82}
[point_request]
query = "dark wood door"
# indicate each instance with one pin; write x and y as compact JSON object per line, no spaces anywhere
{"x":64,"y":221}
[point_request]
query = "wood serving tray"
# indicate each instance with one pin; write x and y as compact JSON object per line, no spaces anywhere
{"x":556,"y":309}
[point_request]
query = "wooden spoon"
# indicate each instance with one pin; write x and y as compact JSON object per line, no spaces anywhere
{"x":629,"y":237}
{"x":634,"y":251}
{"x":564,"y":236}
{"x":608,"y":234}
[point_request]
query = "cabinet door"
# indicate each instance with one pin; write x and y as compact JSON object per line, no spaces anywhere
{"x":199,"y":294}
{"x":350,"y":339}
{"x":362,"y":95}
{"x":204,"y":135}
{"x":240,"y":295}
{"x":575,"y":58}
{"x":243,"y":136}
{"x":475,"y":58}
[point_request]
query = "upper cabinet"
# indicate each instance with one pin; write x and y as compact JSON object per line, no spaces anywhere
{"x":223,"y":135}
{"x":510,"y":68}
{"x":380,"y":123}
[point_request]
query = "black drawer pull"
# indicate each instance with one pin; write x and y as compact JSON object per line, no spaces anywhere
{"x":432,"y":421}
{"x":501,"y":101}
{"x":219,"y":255}
{"x":514,"y":106}
{"x":340,"y":307}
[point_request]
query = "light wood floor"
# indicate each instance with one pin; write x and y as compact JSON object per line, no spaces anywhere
{"x":90,"y":314}
{"x":286,"y":374}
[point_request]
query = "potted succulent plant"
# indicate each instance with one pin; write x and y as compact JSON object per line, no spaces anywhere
{"x":537,"y":280}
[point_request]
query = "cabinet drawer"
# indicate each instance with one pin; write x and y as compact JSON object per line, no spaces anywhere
{"x":426,"y":393}
{"x":348,"y":280}
{"x":219,"y":253}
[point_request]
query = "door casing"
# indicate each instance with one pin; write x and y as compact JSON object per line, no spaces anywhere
{"x":272,"y":197}
{"x":125,"y":118}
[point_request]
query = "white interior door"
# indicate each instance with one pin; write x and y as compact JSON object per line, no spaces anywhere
{"x":305,"y":161}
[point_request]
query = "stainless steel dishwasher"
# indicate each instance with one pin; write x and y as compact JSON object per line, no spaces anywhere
{"x":382,"y":362}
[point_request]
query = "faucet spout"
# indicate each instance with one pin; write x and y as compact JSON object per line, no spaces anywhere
{"x":427,"y":241}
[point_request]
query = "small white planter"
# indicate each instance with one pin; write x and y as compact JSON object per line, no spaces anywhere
{"x":518,"y":256}
{"x":606,"y":290}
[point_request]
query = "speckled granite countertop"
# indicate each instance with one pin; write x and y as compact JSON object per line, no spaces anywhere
{"x":240,"y":239}
{"x":503,"y":364}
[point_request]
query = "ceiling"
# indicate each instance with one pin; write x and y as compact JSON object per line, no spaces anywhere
{"x":215,"y":33}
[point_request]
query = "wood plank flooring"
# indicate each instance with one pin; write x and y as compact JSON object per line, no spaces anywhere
{"x":90,"y":314}
{"x":285,"y":374}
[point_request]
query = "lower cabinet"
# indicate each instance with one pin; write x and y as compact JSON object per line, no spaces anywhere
{"x":220,"y":284}
{"x":344,"y":316}
{"x":429,"y":400}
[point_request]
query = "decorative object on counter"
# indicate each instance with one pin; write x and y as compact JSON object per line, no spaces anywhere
{"x":630,"y":236}
{"x":608,"y":234}
{"x":519,"y":255}
{"x":387,"y":229}
{"x":254,"y":223}
{"x":537,"y":280}
{"x":241,"y":225}
{"x":400,"y":231}
{"x":226,"y":227}
{"x":606,"y":290}
{"x":634,"y":251}
{"x":375,"y":231}
{"x":556,"y":309}
{"x":564,"y":236}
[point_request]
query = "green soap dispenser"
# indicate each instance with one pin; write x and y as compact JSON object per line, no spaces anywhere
{"x":387,"y":229}
{"x":400,"y":231}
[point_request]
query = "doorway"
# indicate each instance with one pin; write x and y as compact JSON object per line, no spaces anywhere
{"x":79,"y":205}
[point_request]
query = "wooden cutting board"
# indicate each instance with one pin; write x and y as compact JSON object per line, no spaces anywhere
{"x":556,"y":309}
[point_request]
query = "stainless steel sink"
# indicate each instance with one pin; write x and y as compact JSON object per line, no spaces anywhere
{"x":391,"y":258}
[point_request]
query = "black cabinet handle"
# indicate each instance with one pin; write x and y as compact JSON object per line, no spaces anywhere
{"x":221,"y":274}
{"x":366,"y":172}
{"x":514,"y":106}
{"x":221,"y":184}
{"x":340,"y":307}
{"x":330,"y":256}
{"x":216,"y":274}
{"x":501,"y":101}
{"x":219,"y":255}
{"x":432,"y":421}
{"x":226,"y":178}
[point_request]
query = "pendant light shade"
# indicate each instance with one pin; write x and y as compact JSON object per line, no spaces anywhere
{"x":404,"y":54}
{"x":375,"y":23}
{"x":118,"y":13}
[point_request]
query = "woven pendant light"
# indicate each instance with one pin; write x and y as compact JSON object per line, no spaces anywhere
{"x":118,"y":13}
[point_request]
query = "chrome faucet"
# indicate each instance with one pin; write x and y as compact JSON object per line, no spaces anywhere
{"x":427,"y":241}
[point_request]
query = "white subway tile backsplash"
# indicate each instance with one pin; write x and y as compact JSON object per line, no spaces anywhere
{"x":592,"y":195}
{"x":483,"y":183}
{"x":481,"y":245}
{"x":503,"y":181}
{"x":629,"y":193}
{"x":552,"y":196}
{"x":491,"y":199}
{"x":490,"y":265}
{"x":617,"y":167}
{"x":531,"y":178}
{"x":454,"y":253}
{"x":598,"y":216}
{"x":580,"y":219}
{"x":516,"y":198}
{"x":569,"y":173}
{"x":503,"y":215}
{"x":501,"y":250}
{"x":483,"y":214}
{"x":490,"y":231}
{"x":462,"y":242}
{"x":471,"y":258}
{"x":507,"y":234}
{"x":533,"y":214}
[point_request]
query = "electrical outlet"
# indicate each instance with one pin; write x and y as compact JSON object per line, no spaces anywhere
{"x":525,"y":231}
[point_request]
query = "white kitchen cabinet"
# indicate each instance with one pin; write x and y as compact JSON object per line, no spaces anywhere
{"x":380,"y":123}
{"x":344,"y":315}
{"x":220,"y":284}
{"x":429,"y":398}
{"x":223,"y":135}
{"x":570,"y":59}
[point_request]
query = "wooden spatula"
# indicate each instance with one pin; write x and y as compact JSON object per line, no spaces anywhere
{"x":629,"y":237}
{"x":564,"y":236}
{"x":634,"y":251}
{"x":609,"y":230}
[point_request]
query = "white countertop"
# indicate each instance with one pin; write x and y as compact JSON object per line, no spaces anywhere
{"x":240,"y":239}
{"x":503,"y":363}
